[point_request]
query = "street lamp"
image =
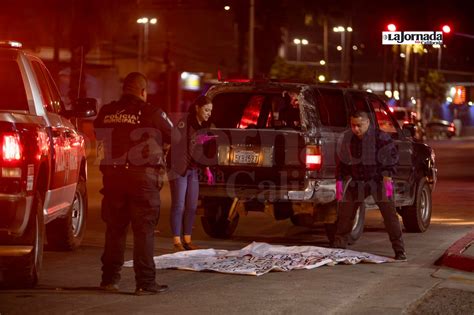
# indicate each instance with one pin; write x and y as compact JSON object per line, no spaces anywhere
{"x":298,"y":42}
{"x":446,"y":29}
{"x":143,"y":40}
{"x":342,"y":47}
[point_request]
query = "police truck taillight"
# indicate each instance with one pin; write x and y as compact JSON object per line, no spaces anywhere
{"x":313,"y":157}
{"x":11,"y":148}
{"x":11,"y":154}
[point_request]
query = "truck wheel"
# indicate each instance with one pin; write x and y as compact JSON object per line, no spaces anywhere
{"x":214,"y":221}
{"x":23,"y":271}
{"x":282,"y":210}
{"x":417,"y":217}
{"x":66,"y":233}
{"x":357,"y":227}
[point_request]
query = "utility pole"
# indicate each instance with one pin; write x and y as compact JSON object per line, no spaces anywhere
{"x":325,"y":44}
{"x":251,"y":38}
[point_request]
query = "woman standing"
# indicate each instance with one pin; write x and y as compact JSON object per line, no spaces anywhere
{"x":183,"y":172}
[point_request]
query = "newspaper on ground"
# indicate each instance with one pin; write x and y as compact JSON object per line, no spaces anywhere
{"x":257,"y":259}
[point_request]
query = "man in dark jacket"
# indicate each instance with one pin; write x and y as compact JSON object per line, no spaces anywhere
{"x":368,"y":157}
{"x":132,"y":133}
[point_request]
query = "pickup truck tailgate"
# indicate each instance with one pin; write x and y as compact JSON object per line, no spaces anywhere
{"x":258,"y":158}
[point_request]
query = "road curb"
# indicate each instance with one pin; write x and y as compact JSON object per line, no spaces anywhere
{"x":455,"y":257}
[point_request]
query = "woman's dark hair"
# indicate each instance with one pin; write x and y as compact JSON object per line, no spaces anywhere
{"x":200,"y":101}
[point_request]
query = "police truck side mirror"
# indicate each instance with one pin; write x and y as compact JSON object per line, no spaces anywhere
{"x":82,"y":108}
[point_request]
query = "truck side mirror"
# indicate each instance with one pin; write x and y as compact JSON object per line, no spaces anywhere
{"x":82,"y":108}
{"x":409,"y":130}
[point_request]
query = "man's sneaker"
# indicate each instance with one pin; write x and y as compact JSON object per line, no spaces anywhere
{"x":110,"y":287}
{"x":151,"y":290}
{"x":400,"y":256}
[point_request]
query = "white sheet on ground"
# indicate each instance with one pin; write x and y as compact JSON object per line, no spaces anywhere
{"x":259,"y":258}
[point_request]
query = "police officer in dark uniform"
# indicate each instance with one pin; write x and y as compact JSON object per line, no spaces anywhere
{"x":368,"y":157}
{"x":132,"y":133}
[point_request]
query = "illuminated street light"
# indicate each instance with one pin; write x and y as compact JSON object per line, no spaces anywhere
{"x":343,"y":30}
{"x":396,"y":95}
{"x":298,"y":42}
{"x":322,"y":62}
{"x":322,"y":78}
{"x":143,"y":40}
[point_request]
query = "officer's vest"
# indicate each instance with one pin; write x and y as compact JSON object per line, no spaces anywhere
{"x":127,"y":132}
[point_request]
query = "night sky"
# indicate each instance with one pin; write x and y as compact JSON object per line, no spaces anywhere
{"x":33,"y":22}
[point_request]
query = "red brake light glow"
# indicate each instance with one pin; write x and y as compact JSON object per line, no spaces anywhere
{"x":11,"y":148}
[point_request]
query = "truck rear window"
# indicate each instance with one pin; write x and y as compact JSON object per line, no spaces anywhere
{"x":12,"y":90}
{"x":255,"y":110}
{"x":332,"y":109}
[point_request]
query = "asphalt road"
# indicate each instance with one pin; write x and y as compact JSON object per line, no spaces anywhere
{"x":69,"y":280}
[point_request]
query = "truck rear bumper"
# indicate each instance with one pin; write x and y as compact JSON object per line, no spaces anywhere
{"x":318,"y":191}
{"x":14,"y":213}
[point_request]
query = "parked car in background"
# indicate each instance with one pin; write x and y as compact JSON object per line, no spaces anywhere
{"x":405,"y":116}
{"x":437,"y":128}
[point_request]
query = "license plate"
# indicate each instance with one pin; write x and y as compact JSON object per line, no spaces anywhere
{"x":245,"y":157}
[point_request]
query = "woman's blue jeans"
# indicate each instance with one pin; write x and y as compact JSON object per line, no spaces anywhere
{"x":184,"y":199}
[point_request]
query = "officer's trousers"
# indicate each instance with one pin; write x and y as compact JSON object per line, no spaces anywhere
{"x":355,"y":194}
{"x":130,"y":195}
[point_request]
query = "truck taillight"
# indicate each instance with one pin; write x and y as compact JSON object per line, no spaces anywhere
{"x":313,"y":157}
{"x":11,"y":147}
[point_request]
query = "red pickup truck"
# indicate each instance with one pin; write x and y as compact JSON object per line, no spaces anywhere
{"x":43,"y":167}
